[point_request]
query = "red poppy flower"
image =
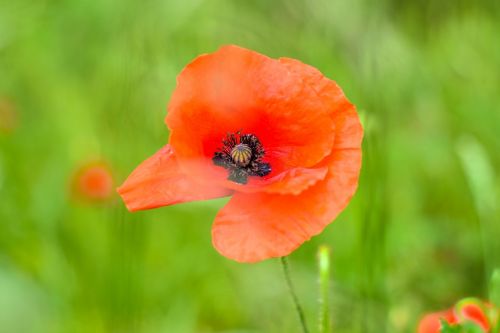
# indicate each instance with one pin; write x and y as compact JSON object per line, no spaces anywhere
{"x":467,"y":310}
{"x":277,"y":135}
{"x":94,"y":182}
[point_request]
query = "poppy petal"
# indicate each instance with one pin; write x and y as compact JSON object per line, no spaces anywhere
{"x":292,"y":181}
{"x":235,"y":89}
{"x":158,"y":182}
{"x":254,"y":227}
{"x":431,"y":323}
{"x":472,"y":309}
{"x":349,"y":132}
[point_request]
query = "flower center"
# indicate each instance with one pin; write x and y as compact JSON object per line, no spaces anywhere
{"x":241,"y":154}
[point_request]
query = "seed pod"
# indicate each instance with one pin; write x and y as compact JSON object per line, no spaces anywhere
{"x":241,"y":154}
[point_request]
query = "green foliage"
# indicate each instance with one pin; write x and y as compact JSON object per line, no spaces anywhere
{"x":462,"y":328}
{"x":324,"y":288}
{"x":447,"y":328}
{"x":495,"y":287}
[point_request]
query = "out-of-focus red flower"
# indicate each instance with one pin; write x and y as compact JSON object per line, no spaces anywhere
{"x":472,"y":309}
{"x":8,"y":116}
{"x":467,"y":310}
{"x":276,"y":134}
{"x":94,"y":181}
{"x":431,"y":322}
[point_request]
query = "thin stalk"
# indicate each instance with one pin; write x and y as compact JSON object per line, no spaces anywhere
{"x":324,"y":289}
{"x":495,"y":293}
{"x":291,"y":289}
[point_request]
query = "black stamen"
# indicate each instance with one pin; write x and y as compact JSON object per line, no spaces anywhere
{"x":241,"y":155}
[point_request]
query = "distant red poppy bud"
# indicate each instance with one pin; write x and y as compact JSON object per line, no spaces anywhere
{"x":94,"y":182}
{"x":276,"y":134}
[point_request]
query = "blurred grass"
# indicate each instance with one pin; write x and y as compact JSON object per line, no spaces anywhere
{"x":90,"y":79}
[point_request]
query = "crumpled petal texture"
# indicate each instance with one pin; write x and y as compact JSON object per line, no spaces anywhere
{"x":159,"y":182}
{"x":253,"y":227}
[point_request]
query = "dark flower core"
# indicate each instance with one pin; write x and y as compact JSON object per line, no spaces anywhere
{"x":241,"y":155}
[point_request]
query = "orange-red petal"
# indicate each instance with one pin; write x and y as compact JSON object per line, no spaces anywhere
{"x":431,"y":323}
{"x":292,"y":181}
{"x":472,"y":309}
{"x":158,"y":181}
{"x":235,"y":89}
{"x":253,"y":227}
{"x":348,"y":130}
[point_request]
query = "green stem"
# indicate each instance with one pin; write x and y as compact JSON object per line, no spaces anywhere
{"x":291,"y":289}
{"x":494,"y":294}
{"x":324,"y":289}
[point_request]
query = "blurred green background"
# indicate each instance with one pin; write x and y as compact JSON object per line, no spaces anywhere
{"x":83,"y":80}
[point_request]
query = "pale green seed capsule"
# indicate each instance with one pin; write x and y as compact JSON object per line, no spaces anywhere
{"x":241,"y":154}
